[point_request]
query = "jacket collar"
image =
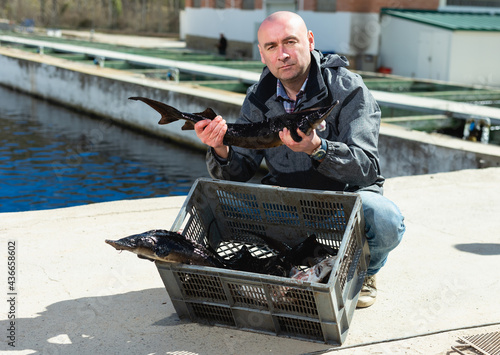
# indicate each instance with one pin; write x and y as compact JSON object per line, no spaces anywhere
{"x":264,"y":96}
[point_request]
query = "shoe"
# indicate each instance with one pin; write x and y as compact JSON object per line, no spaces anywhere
{"x":368,"y":292}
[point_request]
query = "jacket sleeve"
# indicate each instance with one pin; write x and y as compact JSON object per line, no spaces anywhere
{"x":353,"y":148}
{"x":241,"y":165}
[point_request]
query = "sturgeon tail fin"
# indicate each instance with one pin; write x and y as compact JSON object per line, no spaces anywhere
{"x":168,"y":114}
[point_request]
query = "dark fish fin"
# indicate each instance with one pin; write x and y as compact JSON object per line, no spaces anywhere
{"x":164,"y":120}
{"x":277,"y":246}
{"x":295,"y":136}
{"x":309,"y":251}
{"x":145,"y":257}
{"x":208,"y":113}
{"x":188,"y":126}
{"x":168,"y":113}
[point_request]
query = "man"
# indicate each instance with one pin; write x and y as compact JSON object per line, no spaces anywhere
{"x":222,"y":45}
{"x":342,"y":157}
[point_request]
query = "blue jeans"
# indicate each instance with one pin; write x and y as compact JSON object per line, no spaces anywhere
{"x":384,"y":226}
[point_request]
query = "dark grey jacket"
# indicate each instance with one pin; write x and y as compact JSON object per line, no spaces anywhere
{"x":352,"y":130}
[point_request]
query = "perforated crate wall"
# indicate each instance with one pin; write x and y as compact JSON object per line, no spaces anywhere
{"x":227,"y":215}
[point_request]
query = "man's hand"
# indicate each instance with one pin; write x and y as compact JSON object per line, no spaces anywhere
{"x":211,"y":132}
{"x":307,"y":145}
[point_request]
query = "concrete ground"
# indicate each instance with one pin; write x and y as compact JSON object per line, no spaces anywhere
{"x":77,"y":295}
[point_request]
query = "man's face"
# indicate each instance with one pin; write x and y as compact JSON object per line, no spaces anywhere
{"x":285,"y":45}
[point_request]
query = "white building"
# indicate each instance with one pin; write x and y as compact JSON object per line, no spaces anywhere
{"x":420,"y":44}
{"x":451,"y":46}
{"x":347,"y":27}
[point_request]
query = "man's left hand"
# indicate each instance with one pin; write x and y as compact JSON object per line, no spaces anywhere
{"x":307,"y":145}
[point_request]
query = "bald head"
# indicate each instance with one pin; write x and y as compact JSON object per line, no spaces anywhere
{"x":282,"y":18}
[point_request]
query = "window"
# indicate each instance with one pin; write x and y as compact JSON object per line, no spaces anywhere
{"x":326,"y":5}
{"x":481,"y":3}
{"x":220,"y":4}
{"x":248,"y":4}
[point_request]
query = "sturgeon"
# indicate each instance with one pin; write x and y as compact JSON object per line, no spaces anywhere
{"x":259,"y":135}
{"x":173,"y":247}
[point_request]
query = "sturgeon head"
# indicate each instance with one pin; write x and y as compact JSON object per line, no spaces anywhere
{"x":305,"y":120}
{"x":165,"y":246}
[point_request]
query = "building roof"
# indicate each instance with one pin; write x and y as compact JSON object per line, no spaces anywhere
{"x":455,"y":21}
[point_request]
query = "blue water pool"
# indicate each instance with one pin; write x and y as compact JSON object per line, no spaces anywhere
{"x":52,"y":157}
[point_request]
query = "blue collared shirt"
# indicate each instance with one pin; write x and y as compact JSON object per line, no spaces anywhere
{"x":288,"y":103}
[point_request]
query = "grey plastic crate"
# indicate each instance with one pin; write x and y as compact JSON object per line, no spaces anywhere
{"x":227,"y":215}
